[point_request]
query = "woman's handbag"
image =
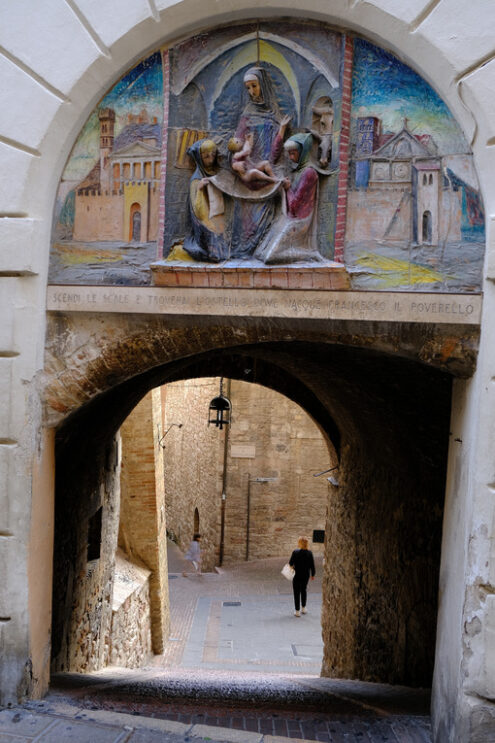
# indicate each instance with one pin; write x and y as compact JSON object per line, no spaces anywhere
{"x":288,"y":571}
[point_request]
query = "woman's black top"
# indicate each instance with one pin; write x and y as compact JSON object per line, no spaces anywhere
{"x":303,"y":563}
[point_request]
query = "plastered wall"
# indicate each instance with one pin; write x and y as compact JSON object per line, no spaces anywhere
{"x":49,"y":88}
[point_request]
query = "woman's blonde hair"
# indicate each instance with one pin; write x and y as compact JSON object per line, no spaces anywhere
{"x":302,"y":543}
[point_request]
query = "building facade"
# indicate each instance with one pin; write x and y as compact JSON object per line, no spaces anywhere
{"x":50,"y":86}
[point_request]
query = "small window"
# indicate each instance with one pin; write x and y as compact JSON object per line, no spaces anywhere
{"x":94,"y":535}
{"x":318,"y":536}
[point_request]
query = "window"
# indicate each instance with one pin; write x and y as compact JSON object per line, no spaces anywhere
{"x":94,"y":535}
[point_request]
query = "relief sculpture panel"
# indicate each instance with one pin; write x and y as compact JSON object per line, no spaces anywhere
{"x":269,"y":147}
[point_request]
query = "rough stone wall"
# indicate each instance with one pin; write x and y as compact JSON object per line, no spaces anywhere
{"x":142,"y":530}
{"x":287,"y":446}
{"x":129,"y":644}
{"x":193,"y":457}
{"x":382,"y":557}
{"x":83,"y":588}
{"x":270,"y":437}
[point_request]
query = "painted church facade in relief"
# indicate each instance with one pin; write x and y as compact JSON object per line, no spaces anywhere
{"x":269,"y":146}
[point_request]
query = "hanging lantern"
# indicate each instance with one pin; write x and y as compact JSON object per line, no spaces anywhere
{"x":220,"y":409}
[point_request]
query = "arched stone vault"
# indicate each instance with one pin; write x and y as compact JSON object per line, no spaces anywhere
{"x":387,"y":417}
{"x":88,"y":355}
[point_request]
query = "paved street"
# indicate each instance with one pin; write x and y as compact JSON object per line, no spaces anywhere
{"x":242,"y":619}
{"x":238,"y":667}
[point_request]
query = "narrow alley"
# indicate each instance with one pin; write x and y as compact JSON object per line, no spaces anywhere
{"x":239,"y":666}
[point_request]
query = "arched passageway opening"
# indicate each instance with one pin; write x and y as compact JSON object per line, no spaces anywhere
{"x":387,"y":418}
{"x":135,"y":226}
{"x":427,"y":227}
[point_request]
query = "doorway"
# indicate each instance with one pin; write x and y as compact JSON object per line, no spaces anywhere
{"x":427,"y":227}
{"x":135,"y":216}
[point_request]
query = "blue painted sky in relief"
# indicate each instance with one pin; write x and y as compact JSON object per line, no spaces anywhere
{"x":141,"y":83}
{"x":385,"y":87}
{"x":141,"y":87}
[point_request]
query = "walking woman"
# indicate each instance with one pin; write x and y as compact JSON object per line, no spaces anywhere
{"x":193,"y":554}
{"x":304,"y":565}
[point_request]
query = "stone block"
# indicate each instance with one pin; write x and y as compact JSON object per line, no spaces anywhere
{"x":230,"y":277}
{"x":8,"y":339}
{"x":74,"y":731}
{"x":183,"y":277}
{"x":21,"y":97}
{"x":15,"y":491}
{"x":261,"y":279}
{"x":279,"y":278}
{"x":454,"y":28}
{"x":22,"y":321}
{"x":199,"y":278}
{"x":13,"y":587}
{"x":142,"y":724}
{"x":14,"y":178}
{"x":490,"y":249}
{"x":225,"y":734}
{"x":245,"y":278}
{"x":14,"y":411}
{"x":215,"y":279}
{"x":6,"y":377}
{"x":404,"y":11}
{"x":20,"y":246}
{"x":49,"y":39}
{"x":23,"y":723}
{"x":488,"y":689}
{"x":111,"y":23}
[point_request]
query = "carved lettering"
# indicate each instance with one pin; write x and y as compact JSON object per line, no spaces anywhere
{"x":339,"y":305}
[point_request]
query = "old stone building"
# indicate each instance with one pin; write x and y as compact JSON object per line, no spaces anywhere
{"x":272,"y":452}
{"x":395,"y":365}
{"x":118,"y":199}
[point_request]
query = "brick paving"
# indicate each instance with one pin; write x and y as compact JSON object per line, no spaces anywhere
{"x":213,"y":683}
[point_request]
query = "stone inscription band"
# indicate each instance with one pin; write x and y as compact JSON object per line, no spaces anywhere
{"x":373,"y":306}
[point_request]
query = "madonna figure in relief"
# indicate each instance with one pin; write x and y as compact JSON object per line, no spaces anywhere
{"x":292,"y":236}
{"x":263,"y":123}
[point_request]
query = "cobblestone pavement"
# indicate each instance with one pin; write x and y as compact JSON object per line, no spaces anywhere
{"x":238,"y":667}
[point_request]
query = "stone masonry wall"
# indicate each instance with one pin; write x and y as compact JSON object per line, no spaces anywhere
{"x":130,"y":639}
{"x":83,"y":583}
{"x":142,"y":529}
{"x":193,"y":460}
{"x":270,"y":437}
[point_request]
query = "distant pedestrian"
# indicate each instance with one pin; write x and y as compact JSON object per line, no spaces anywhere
{"x":193,"y":554}
{"x":304,"y":565}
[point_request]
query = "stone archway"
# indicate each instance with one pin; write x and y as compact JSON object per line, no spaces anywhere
{"x":460,"y":66}
{"x":386,"y":416}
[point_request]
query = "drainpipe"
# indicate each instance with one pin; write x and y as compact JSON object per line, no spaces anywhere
{"x":224,"y":483}
{"x":248,"y":516}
